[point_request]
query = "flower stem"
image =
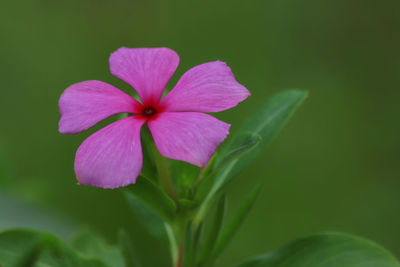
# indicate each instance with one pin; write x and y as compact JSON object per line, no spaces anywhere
{"x":173,"y":244}
{"x":180,"y":257}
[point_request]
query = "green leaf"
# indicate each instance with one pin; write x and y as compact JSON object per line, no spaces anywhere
{"x":230,"y":230}
{"x":13,"y":208}
{"x":26,"y":248}
{"x":154,"y":197}
{"x":195,"y":244}
{"x":242,"y":145}
{"x":233,"y":157}
{"x":214,"y":231}
{"x":93,"y":246}
{"x":327,"y":250}
{"x":153,"y":221}
{"x":184,"y":175}
{"x":265,"y":123}
{"x":214,"y":182}
{"x":148,"y":217}
{"x":128,"y":250}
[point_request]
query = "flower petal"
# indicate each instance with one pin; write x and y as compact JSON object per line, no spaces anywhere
{"x":111,"y":157}
{"x":188,"y":136}
{"x":84,"y":104}
{"x":209,"y":87}
{"x":148,"y":70}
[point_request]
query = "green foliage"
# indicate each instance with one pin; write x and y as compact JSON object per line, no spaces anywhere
{"x":213,"y":180}
{"x":236,"y":154}
{"x":28,"y":248}
{"x":246,"y":144}
{"x":154,"y":209}
{"x":242,"y":144}
{"x":92,"y":246}
{"x":326,"y":250}
{"x":152,"y":195}
{"x":184,"y":175}
{"x":214,"y":231}
{"x":171,"y":200}
{"x":186,"y":258}
{"x":16,"y":213}
{"x":147,"y":216}
{"x":266,"y":122}
{"x":128,"y":250}
{"x":165,"y":208}
{"x":230,"y":230}
{"x":195,"y":244}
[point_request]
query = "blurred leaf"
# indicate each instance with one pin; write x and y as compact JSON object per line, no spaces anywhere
{"x":265,"y":123}
{"x":327,"y":250}
{"x":23,"y":214}
{"x":92,"y":246}
{"x":149,"y":218}
{"x":128,"y":250}
{"x":152,"y":195}
{"x":25,"y":248}
{"x":214,"y":231}
{"x":231,"y":229}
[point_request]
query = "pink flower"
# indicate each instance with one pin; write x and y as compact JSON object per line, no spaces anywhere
{"x":112,"y":157}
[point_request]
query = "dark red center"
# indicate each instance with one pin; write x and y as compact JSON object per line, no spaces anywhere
{"x":149,"y":111}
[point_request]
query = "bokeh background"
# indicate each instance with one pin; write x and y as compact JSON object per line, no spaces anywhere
{"x":334,"y":167}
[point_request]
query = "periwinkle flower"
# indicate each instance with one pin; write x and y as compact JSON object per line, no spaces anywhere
{"x":112,"y":157}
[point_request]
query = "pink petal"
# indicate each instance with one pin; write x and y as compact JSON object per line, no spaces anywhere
{"x":209,"y":87}
{"x":84,"y":104}
{"x":188,"y":136}
{"x":148,"y":70}
{"x":111,"y":157}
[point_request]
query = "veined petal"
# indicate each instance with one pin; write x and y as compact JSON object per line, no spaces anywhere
{"x":209,"y":87}
{"x":84,"y":104}
{"x":111,"y":157}
{"x":148,"y":70}
{"x":188,"y":136}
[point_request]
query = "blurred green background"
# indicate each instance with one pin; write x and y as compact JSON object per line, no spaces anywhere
{"x":335,"y":167}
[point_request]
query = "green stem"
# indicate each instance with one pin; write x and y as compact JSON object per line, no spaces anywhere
{"x":173,"y":244}
{"x":182,"y":236}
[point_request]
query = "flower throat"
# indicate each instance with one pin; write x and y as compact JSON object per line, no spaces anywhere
{"x":149,"y":111}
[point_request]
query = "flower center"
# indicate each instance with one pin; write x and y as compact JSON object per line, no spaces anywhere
{"x":149,"y":111}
